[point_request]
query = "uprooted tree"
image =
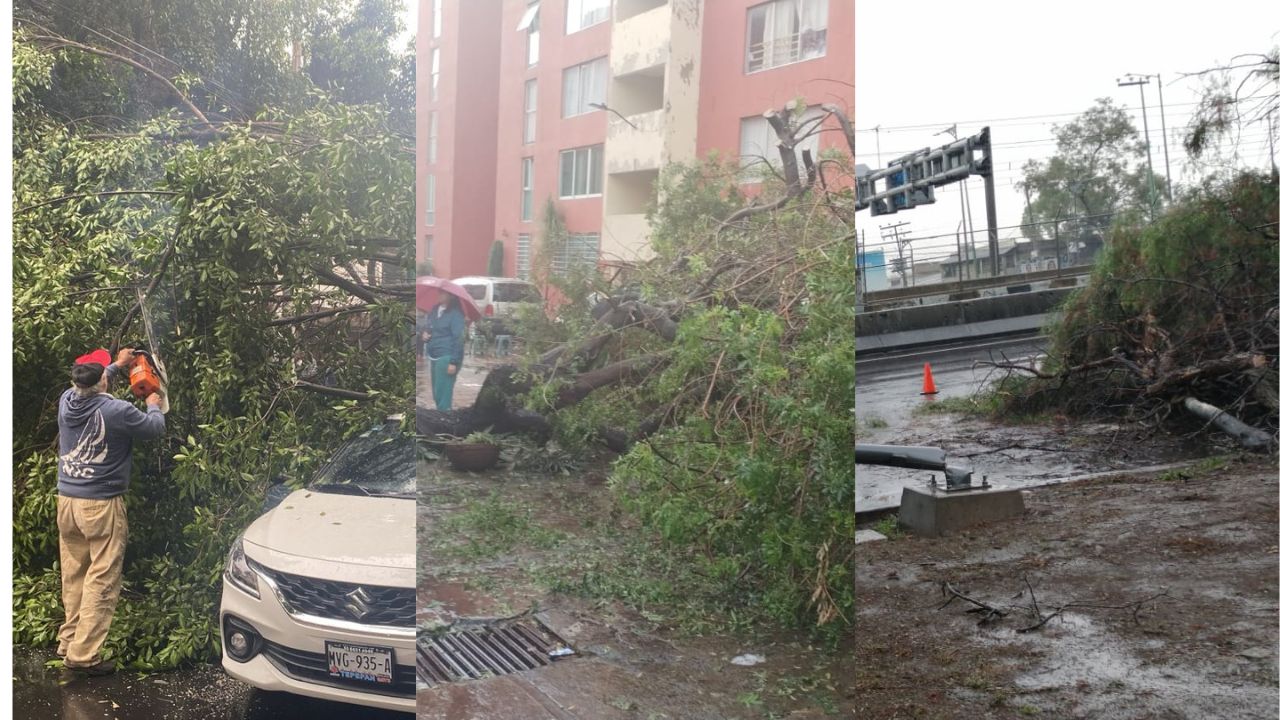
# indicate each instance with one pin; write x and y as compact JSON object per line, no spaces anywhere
{"x":272,"y":253}
{"x":1177,"y":326}
{"x":722,"y":369}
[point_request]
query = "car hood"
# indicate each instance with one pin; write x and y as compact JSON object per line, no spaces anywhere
{"x":350,"y":538}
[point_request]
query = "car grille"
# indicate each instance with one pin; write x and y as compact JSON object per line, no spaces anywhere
{"x":366,"y":604}
{"x":314,"y":668}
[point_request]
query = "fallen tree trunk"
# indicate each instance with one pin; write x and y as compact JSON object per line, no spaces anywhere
{"x":1248,"y":436}
{"x":497,"y":407}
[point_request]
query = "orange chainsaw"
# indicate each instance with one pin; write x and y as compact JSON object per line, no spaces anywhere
{"x":143,"y":378}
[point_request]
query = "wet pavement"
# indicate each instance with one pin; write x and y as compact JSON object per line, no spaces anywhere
{"x":888,"y":403}
{"x":200,"y":693}
{"x":630,"y":662}
{"x":1168,"y":590}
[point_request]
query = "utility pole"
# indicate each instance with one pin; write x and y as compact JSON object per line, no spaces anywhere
{"x":879,"y":164}
{"x":899,"y":240}
{"x":1141,"y":81}
{"x":959,"y":256}
{"x":1164,"y":134}
{"x":1271,"y":137}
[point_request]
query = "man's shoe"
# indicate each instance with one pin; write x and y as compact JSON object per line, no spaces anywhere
{"x":98,"y":669}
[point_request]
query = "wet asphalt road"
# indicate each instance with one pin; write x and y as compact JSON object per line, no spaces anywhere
{"x":889,"y":385}
{"x":201,"y":693}
{"x":888,"y":397}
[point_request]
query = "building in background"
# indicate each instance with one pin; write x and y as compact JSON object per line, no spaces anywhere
{"x":579,"y":104}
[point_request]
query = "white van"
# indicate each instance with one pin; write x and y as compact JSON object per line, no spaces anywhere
{"x":499,"y":296}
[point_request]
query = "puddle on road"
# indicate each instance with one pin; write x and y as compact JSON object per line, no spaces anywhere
{"x":1106,"y":674}
{"x":1013,"y":456}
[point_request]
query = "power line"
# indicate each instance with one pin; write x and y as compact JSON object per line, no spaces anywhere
{"x":993,"y":121}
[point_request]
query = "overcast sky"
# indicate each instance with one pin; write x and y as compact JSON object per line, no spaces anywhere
{"x":1021,"y":67}
{"x":409,"y":15}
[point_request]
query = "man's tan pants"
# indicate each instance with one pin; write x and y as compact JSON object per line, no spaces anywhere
{"x":91,"y":535}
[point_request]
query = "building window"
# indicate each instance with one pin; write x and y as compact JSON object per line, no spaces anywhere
{"x":433,"y":135}
{"x":530,"y":110}
{"x":431,"y":247}
{"x":581,"y":171}
{"x":437,"y":11}
{"x":580,"y":14}
{"x":431,"y":200}
{"x":529,"y":23}
{"x":785,"y":31}
{"x":579,"y":251}
{"x":584,"y":86}
{"x":526,"y":189}
{"x":758,"y":151}
{"x":524,"y":256}
{"x":435,"y":74}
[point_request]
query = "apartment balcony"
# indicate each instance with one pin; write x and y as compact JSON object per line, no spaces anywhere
{"x":641,"y":41}
{"x":625,"y":239}
{"x":634,"y":144}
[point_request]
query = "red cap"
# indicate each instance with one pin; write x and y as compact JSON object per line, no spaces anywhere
{"x":99,"y":356}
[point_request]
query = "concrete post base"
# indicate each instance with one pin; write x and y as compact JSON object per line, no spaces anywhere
{"x":933,"y":512}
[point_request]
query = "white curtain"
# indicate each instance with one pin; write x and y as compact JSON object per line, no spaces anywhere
{"x":813,"y":29}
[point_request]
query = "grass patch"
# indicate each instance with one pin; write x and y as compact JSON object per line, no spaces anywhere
{"x":494,"y":527}
{"x":873,"y":423}
{"x":888,"y":527}
{"x":964,"y":405}
{"x":1199,"y":469}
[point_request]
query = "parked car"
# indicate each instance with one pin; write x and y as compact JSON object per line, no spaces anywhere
{"x":318,"y":595}
{"x":500,"y":297}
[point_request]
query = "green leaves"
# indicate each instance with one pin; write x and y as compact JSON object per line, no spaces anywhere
{"x":255,"y":216}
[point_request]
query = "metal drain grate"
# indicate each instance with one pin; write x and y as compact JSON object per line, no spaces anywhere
{"x":488,"y":651}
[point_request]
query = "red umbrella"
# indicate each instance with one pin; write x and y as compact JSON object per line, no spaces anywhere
{"x":430,"y":289}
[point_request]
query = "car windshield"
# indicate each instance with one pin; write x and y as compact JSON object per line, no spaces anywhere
{"x":515,"y":292}
{"x":475,"y":291}
{"x":379,"y":462}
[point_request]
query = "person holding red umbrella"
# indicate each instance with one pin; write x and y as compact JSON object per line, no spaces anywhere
{"x":446,"y":335}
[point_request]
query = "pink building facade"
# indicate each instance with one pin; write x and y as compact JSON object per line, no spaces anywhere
{"x":581,"y":103}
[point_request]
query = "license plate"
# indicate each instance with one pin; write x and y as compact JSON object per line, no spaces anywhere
{"x":360,"y":662}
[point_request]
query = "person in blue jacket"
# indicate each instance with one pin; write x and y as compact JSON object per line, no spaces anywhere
{"x":446,"y":332}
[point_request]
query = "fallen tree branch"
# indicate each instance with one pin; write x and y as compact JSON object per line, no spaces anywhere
{"x":320,"y":314}
{"x":990,"y":612}
{"x":77,"y":196}
{"x":58,"y":41}
{"x":146,"y":293}
{"x":333,"y":391}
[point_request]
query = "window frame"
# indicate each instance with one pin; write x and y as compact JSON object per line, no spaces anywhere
{"x":526,"y":189}
{"x":530,"y":130}
{"x":570,"y":14}
{"x":572,"y":253}
{"x":767,"y":57}
{"x":594,"y":169}
{"x":431,"y":200}
{"x":582,"y":103}
{"x":437,"y":22}
{"x":524,"y":255}
{"x":753,"y":171}
{"x":435,"y":74}
{"x":533,"y":42}
{"x":433,"y":136}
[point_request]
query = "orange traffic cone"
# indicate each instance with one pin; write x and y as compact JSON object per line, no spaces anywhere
{"x":929,"y":387}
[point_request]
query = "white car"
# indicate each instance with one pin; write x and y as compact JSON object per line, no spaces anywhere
{"x":498,"y":296}
{"x":318,"y":595}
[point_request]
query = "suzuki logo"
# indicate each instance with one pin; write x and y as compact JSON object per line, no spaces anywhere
{"x":358,"y":603}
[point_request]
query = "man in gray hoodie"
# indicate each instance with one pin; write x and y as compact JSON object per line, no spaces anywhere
{"x":95,"y":452}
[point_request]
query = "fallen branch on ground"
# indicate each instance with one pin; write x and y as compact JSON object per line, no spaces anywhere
{"x":991,"y":613}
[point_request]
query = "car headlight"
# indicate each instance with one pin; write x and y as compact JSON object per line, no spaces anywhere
{"x":238,"y":572}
